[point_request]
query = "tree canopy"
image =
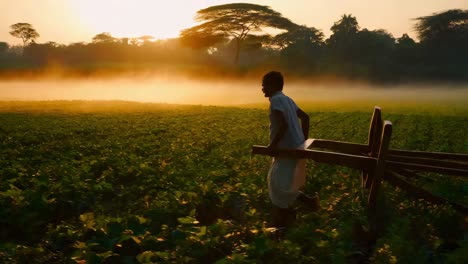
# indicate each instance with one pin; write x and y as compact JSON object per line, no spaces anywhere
{"x":104,"y":37}
{"x":343,"y":30}
{"x":243,"y":32}
{"x":443,"y":25}
{"x":444,"y":42}
{"x":3,"y":47}
{"x":232,"y":21}
{"x":299,"y":34}
{"x":24,"y":31}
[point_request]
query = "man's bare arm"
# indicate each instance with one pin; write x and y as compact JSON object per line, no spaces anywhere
{"x":304,"y":122}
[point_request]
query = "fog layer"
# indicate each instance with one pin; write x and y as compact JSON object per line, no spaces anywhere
{"x":221,"y":92}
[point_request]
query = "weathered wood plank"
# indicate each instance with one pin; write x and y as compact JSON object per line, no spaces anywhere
{"x":427,"y":168}
{"x":307,"y":144}
{"x":380,"y":166}
{"x":340,"y":146}
{"x":417,"y":192}
{"x":374,"y":144}
{"x":419,"y":164}
{"x":428,"y":161}
{"x":375,"y":132}
{"x":411,"y":174}
{"x":358,"y":149}
{"x":341,"y":159}
{"x":375,"y":120}
{"x":432,"y":155}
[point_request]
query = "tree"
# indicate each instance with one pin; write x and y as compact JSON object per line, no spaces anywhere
{"x":301,"y":49}
{"x":372,"y":52}
{"x":406,"y":41}
{"x":343,"y":31}
{"x":146,"y":38}
{"x":24,"y":31}
{"x":44,"y":53}
{"x":104,"y":37}
{"x":444,"y":42}
{"x":406,"y":56}
{"x":232,"y":21}
{"x":124,"y":40}
{"x":341,"y":51}
{"x":444,"y":25}
{"x":406,"y":51}
{"x":341,"y":42}
{"x":3,"y":47}
{"x":374,"y":42}
{"x":300,"y":34}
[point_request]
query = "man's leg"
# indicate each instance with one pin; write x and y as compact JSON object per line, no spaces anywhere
{"x":310,"y":202}
{"x":283,"y":217}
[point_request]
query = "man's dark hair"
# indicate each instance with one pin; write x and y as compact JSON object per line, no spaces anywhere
{"x":275,"y":79}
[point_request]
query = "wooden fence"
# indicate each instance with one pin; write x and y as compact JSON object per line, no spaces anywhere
{"x":378,"y":162}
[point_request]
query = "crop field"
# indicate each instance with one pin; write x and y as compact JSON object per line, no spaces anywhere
{"x":118,"y":182}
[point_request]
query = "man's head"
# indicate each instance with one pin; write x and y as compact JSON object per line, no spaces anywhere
{"x":272,"y":82}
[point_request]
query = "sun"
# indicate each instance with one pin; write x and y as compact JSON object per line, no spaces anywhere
{"x":127,"y":18}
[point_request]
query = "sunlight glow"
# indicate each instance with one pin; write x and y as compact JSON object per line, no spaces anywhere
{"x":174,"y":89}
{"x":66,"y":21}
{"x":125,"y":18}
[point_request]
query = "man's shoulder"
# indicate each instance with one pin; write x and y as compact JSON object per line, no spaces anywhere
{"x":276,"y":100}
{"x":278,"y":97}
{"x":281,"y":98}
{"x":282,"y":102}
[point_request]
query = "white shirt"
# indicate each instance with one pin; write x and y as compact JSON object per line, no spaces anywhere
{"x":294,"y":135}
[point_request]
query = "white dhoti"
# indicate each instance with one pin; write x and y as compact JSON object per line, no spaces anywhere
{"x":285,"y":178}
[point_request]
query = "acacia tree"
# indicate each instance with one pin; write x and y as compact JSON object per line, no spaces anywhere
{"x":24,"y":31}
{"x":232,"y":21}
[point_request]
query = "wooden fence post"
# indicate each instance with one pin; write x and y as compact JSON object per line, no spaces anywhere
{"x":380,"y":166}
{"x":373,"y":143}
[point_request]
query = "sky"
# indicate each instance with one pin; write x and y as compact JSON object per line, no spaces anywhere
{"x":68,"y":21}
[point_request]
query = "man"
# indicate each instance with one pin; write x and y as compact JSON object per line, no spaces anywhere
{"x":286,"y":175}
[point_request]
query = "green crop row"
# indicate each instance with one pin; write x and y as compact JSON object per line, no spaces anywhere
{"x":177,"y":184}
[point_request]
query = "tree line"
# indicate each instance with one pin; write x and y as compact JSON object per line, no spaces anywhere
{"x":235,"y":39}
